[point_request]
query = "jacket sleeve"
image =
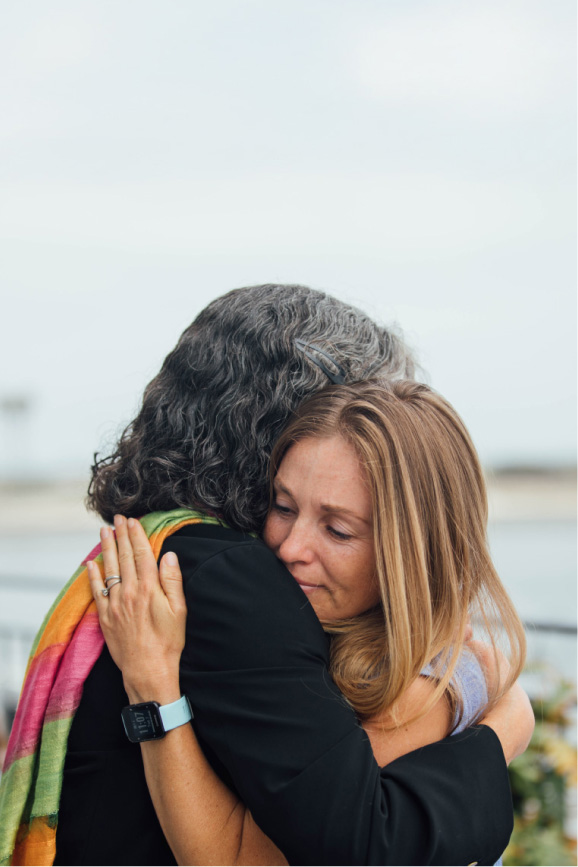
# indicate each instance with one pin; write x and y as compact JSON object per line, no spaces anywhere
{"x":255,"y":668}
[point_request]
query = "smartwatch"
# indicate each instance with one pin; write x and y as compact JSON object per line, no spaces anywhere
{"x":150,"y":722}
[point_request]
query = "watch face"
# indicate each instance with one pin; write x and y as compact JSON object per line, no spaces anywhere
{"x":142,"y":722}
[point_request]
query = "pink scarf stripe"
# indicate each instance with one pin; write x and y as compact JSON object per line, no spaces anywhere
{"x":53,"y":686}
{"x":77,"y":662}
{"x":93,"y":554}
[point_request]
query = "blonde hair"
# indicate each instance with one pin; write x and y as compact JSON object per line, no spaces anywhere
{"x":433,"y":567}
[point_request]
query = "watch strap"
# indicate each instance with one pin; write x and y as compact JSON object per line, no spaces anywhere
{"x":176,"y":714}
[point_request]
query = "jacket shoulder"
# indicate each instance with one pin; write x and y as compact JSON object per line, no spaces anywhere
{"x":195,"y":545}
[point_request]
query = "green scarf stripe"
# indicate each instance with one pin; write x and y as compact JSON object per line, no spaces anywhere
{"x":51,"y":761}
{"x":13,"y":781}
{"x":155,"y":522}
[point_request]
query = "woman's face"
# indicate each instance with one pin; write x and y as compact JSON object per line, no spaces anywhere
{"x":320,"y":527}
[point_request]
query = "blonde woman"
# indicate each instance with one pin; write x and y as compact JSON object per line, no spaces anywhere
{"x":379,"y":513}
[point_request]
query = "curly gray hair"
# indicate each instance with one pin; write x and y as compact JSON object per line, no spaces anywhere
{"x":209,"y":419}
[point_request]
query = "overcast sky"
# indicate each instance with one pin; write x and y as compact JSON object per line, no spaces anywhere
{"x":414,"y":158}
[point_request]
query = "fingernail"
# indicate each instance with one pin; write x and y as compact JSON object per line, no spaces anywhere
{"x":171,"y":558}
{"x":104,"y":533}
{"x":118,"y":520}
{"x":130,"y":522}
{"x":89,"y":566}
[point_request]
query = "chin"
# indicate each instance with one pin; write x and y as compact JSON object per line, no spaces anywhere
{"x":323,"y":615}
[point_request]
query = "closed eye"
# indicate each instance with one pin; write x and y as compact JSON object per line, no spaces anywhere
{"x":283,"y":510}
{"x":338,"y":534}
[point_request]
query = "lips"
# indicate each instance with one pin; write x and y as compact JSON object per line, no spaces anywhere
{"x":307,"y":588}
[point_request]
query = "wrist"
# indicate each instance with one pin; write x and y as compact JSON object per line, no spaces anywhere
{"x":152,"y":687}
{"x":150,"y":721}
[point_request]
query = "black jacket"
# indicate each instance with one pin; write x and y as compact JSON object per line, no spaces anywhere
{"x":277,"y":730}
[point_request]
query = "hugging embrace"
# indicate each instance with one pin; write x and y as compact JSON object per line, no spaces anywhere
{"x":327,"y":515}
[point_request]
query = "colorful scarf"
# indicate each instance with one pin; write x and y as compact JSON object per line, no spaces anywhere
{"x":67,"y":646}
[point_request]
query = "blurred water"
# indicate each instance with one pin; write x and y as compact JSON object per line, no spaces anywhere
{"x":537,"y":563}
{"x":536,"y":560}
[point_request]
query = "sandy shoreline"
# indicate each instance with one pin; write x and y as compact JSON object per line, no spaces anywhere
{"x":513,"y":496}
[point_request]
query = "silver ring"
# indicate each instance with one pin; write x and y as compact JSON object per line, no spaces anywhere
{"x":110,"y":577}
{"x":106,"y":590}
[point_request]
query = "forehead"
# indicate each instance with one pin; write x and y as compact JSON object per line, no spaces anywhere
{"x":327,"y":468}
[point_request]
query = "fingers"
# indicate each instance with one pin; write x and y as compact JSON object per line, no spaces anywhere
{"x":144,"y":559}
{"x":172,"y":582}
{"x":125,"y":562}
{"x":496,"y":666}
{"x":97,"y":586}
{"x":109,"y":552}
{"x":130,"y":556}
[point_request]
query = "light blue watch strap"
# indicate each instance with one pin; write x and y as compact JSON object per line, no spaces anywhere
{"x":176,"y":714}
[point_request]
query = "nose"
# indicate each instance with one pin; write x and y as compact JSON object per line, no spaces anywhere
{"x":298,"y":544}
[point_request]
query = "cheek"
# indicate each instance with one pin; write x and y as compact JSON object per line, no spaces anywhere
{"x":272,"y":532}
{"x":368,"y":588}
{"x":372,"y":593}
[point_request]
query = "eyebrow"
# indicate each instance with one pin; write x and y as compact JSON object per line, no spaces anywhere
{"x":326,"y":507}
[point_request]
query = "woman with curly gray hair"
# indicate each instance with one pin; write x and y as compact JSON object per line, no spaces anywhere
{"x":209,"y":419}
{"x":255,"y":663}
